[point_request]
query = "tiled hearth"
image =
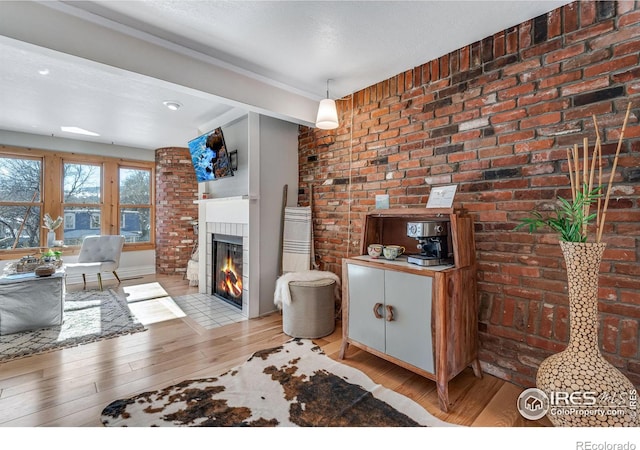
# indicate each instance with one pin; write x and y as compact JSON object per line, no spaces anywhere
{"x":208,"y":311}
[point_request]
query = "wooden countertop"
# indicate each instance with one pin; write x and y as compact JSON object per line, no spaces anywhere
{"x":400,"y":264}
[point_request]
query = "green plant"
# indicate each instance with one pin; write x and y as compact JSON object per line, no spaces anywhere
{"x":571,"y":217}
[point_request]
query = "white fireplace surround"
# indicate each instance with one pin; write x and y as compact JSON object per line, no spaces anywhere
{"x":229,"y":216}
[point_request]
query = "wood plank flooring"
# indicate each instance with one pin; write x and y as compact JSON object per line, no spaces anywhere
{"x":70,"y":387}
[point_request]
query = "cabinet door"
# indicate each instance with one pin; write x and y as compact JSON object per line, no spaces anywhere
{"x":408,"y":334}
{"x":366,"y":289}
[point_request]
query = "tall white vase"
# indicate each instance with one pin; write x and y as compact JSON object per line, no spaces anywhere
{"x":51,"y":237}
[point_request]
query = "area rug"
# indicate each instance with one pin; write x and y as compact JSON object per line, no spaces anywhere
{"x":89,"y":316}
{"x":294,"y":384}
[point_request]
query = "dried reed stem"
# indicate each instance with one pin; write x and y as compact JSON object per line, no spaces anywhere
{"x":598,"y":152}
{"x":573,"y":186}
{"x":576,"y":160}
{"x":585,"y":193}
{"x":585,"y":161}
{"x":592,"y":172}
{"x":613,"y":172}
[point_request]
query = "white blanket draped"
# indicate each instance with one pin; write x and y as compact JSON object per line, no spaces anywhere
{"x":296,"y":240}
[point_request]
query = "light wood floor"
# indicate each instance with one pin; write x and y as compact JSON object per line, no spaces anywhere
{"x":70,"y":387}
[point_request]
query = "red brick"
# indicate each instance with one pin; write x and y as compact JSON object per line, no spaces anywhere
{"x":499,"y":85}
{"x":565,"y":77}
{"x":629,"y":19}
{"x":514,"y":160}
{"x":516,"y":137}
{"x":507,"y":312}
{"x":554,"y":25}
{"x":608,"y":39}
{"x":629,"y":338}
{"x":610,"y":332}
{"x":538,"y":121}
{"x":524,"y":271}
{"x":564,"y":53}
{"x":516,"y":91}
{"x":561,"y":324}
{"x":508,"y":116}
{"x":546,"y":321}
{"x":611,"y":66}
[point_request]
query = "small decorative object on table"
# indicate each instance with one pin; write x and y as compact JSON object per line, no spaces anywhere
{"x":27,"y":264}
{"x":51,"y":225}
{"x":604,"y":396}
{"x":45,"y":270}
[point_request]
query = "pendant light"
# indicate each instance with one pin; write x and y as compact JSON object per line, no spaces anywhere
{"x":327,"y":118}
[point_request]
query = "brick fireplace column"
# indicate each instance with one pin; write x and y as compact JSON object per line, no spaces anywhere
{"x":176,"y":189}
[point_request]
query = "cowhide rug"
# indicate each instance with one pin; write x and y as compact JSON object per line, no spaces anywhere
{"x":295,"y":384}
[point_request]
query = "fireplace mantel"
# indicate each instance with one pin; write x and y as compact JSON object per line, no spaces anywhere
{"x":226,"y":210}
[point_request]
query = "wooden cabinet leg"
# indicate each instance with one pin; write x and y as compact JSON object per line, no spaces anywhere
{"x":477,"y":370}
{"x":343,"y":349}
{"x":443,"y":396}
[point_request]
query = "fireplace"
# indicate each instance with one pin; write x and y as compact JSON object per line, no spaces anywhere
{"x":226,"y":273}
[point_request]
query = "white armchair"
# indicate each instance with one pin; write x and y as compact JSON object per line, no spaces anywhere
{"x":97,"y":254}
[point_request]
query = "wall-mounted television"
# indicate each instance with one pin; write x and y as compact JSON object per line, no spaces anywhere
{"x":210,"y":156}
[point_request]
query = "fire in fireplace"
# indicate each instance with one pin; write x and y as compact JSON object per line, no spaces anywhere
{"x":227,"y":269}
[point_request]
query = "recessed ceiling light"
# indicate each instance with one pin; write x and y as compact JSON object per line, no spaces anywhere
{"x":77,"y":130}
{"x":43,"y":71}
{"x":172,"y":105}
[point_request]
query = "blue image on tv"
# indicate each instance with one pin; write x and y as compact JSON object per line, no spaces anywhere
{"x":210,"y":157}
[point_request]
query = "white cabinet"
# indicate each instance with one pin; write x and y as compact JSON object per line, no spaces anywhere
{"x":390,"y":312}
{"x":421,"y":318}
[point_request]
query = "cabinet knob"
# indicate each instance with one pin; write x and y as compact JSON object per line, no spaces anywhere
{"x":389,"y":313}
{"x":376,"y":310}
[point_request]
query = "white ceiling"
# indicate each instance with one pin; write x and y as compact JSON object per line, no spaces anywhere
{"x":112,"y":63}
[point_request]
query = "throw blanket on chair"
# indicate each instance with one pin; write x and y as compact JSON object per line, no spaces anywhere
{"x":296,"y":240}
{"x":282,"y":295}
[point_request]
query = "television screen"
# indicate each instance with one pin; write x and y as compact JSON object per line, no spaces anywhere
{"x":210,"y":157}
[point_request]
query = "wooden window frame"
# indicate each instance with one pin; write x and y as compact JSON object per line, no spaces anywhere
{"x":52,"y":193}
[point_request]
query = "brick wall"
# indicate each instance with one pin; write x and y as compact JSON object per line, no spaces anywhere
{"x":176,"y":189}
{"x":495,"y":118}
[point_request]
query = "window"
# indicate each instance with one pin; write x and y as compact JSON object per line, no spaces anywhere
{"x":94,"y":220}
{"x":135,"y":204}
{"x":94,"y":194}
{"x":82,"y":194}
{"x":69,"y":221}
{"x":20,"y":202}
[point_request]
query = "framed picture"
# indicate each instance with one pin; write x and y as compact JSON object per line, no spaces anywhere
{"x":442,"y":197}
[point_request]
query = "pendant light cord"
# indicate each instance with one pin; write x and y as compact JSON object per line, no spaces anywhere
{"x":350,"y":184}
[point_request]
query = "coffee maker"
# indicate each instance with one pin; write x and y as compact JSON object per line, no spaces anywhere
{"x":434,"y":243}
